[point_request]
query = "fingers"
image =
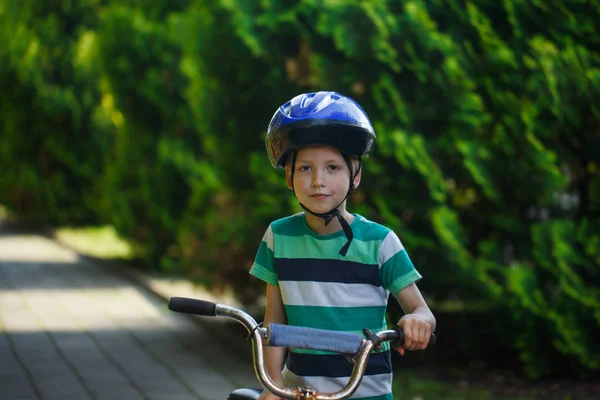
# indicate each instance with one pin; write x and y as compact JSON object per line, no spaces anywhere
{"x":416,"y":334}
{"x":425,"y":339}
{"x":408,"y":337}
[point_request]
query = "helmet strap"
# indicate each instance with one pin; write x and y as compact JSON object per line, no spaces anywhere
{"x":335,"y":213}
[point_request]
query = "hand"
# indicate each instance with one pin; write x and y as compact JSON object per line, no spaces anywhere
{"x":417,"y":333}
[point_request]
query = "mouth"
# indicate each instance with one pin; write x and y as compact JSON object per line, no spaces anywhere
{"x":319,"y":196}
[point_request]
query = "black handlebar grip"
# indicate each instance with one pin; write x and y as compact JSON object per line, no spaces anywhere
{"x":192,"y":306}
{"x":400,"y":340}
{"x":432,"y":340}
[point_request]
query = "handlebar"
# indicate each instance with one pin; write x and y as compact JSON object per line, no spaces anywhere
{"x":354,"y":345}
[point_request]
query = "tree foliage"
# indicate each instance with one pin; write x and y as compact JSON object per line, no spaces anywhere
{"x":151,"y":117}
{"x":49,"y":160}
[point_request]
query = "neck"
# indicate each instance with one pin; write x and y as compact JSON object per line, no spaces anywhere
{"x":317,"y":224}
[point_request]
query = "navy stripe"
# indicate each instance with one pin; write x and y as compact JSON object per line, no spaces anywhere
{"x":323,"y":270}
{"x":335,"y":365}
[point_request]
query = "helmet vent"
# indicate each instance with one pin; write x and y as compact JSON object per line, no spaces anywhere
{"x":306,"y":101}
{"x":325,"y":101}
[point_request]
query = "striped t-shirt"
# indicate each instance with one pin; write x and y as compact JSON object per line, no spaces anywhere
{"x":322,"y":289}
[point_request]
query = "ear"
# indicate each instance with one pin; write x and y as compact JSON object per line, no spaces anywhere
{"x":357,"y":179}
{"x":288,"y":176}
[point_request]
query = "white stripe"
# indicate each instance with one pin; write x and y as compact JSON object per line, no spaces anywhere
{"x":389,"y":247}
{"x":332,"y":294}
{"x":371,"y":385}
{"x":268,"y":238}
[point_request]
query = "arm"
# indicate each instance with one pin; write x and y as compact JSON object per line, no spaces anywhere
{"x":274,"y":356}
{"x":418,"y":321}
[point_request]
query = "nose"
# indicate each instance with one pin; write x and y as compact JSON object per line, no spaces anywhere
{"x":318,"y":178}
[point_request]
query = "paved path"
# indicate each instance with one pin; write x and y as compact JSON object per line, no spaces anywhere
{"x":70,"y":329}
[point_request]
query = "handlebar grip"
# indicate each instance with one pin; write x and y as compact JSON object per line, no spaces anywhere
{"x":398,"y":342}
{"x":192,"y":306}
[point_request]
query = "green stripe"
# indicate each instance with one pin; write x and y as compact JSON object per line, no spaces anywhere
{"x":367,"y":231}
{"x":264,"y":256}
{"x":397,"y":266}
{"x":347,"y":319}
{"x":289,"y":226}
{"x":263,"y":267}
{"x":385,"y":346}
{"x":295,"y":225}
{"x":264,"y":274}
{"x":308,"y":247}
{"x":386,"y":397}
{"x":404,"y":281}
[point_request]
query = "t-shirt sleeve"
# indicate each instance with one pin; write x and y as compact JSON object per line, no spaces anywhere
{"x":264,"y":265}
{"x":396,"y":270}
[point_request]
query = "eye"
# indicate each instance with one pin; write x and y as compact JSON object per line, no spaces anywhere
{"x":334,"y":167}
{"x":303,"y":168}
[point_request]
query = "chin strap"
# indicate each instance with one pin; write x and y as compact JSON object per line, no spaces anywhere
{"x":328,"y":217}
{"x":335,"y":213}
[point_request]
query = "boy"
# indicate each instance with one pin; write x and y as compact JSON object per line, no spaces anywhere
{"x":327,"y":268}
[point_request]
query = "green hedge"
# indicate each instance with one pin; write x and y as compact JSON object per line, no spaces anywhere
{"x":49,"y":159}
{"x":151,"y":118}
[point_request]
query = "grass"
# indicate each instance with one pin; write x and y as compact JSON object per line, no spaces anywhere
{"x":408,"y":386}
{"x":101,"y":242}
{"x":423,"y":384}
{"x":411,"y":385}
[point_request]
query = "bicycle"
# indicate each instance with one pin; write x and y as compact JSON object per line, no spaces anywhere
{"x":356,"y":348}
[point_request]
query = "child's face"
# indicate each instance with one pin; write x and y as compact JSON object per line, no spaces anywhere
{"x":321,"y":178}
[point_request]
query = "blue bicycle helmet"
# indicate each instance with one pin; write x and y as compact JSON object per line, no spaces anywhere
{"x":327,"y":118}
{"x":322,"y":118}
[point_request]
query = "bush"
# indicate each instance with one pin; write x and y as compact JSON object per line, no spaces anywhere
{"x":151,"y":118}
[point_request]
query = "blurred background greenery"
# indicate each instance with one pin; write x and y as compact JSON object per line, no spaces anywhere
{"x":149,"y":117}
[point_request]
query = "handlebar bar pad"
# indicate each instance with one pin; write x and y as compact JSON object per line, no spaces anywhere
{"x":192,"y":306}
{"x":311,"y":338}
